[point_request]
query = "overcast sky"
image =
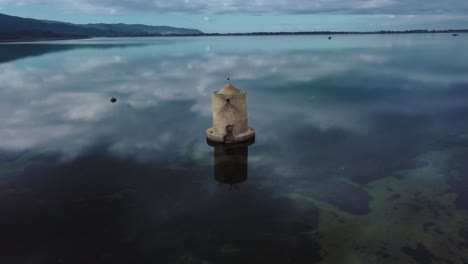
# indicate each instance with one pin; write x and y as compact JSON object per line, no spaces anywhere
{"x":253,"y":15}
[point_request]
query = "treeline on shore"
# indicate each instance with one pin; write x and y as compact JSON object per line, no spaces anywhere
{"x":46,"y":35}
{"x":336,"y":32}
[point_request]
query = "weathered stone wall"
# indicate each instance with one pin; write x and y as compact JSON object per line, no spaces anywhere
{"x":232,"y":112}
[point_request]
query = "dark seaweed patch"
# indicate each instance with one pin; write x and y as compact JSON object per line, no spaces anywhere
{"x":439,"y":230}
{"x":464,"y":234}
{"x":394,"y":197}
{"x":420,"y":254}
{"x":458,"y":179}
{"x":427,"y":226}
{"x":383,"y":254}
{"x":345,"y":196}
{"x":413,"y":207}
{"x":423,"y":255}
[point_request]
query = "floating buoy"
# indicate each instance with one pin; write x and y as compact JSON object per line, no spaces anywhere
{"x":329,"y":37}
{"x":455,"y":34}
{"x":113,"y":100}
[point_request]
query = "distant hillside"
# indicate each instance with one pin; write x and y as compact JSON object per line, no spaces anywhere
{"x":14,"y":28}
{"x":141,"y":30}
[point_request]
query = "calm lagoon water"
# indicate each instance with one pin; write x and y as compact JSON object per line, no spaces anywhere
{"x":361,"y":153}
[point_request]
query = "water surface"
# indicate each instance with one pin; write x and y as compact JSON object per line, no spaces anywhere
{"x":360,"y":155}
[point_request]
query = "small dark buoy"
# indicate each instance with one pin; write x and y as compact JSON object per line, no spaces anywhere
{"x":329,"y":37}
{"x":455,"y":34}
{"x":113,"y":100}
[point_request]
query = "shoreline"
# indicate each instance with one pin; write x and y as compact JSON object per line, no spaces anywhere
{"x":450,"y":31}
{"x":319,"y":33}
{"x":27,"y":40}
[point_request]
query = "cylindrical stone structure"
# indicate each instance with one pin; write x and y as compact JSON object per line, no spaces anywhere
{"x":229,"y":106}
{"x":231,"y":162}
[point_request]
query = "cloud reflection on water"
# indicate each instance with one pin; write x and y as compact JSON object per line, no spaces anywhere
{"x":66,"y":102}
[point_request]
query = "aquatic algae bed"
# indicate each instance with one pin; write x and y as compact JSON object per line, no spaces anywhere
{"x":18,"y":164}
{"x":412,"y":216}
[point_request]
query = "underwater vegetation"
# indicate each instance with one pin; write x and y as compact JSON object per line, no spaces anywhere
{"x":17,"y":165}
{"x":413,"y":216}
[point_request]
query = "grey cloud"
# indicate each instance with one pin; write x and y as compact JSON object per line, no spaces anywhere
{"x":261,"y":6}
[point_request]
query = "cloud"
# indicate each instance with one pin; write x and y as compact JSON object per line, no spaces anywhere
{"x":260,"y":6}
{"x":113,"y":11}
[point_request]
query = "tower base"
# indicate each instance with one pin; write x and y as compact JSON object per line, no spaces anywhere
{"x":212,"y":136}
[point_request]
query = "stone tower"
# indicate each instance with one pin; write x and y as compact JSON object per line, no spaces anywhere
{"x":230,"y":116}
{"x":231,"y":162}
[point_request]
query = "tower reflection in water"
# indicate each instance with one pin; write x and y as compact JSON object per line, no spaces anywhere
{"x":231,"y":162}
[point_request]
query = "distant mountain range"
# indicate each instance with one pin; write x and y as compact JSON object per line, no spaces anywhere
{"x":14,"y":28}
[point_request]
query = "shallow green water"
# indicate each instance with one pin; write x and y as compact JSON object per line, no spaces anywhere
{"x":360,"y":155}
